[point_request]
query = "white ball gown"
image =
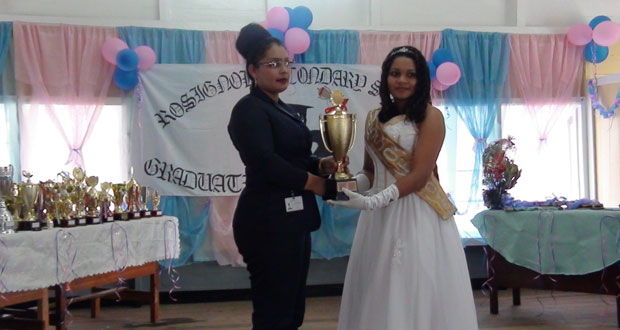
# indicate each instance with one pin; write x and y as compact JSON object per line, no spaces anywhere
{"x":407,"y":267}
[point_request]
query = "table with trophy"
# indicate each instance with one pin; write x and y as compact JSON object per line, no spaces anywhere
{"x":70,"y":235}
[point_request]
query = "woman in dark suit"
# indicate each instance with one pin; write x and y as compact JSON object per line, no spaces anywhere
{"x":277,"y":210}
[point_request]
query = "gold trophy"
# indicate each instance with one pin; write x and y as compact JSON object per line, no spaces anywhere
{"x":29,"y":194}
{"x":64,"y":206}
{"x":145,"y":193}
{"x":49,"y":207}
{"x":119,"y":190}
{"x":92,"y":214}
{"x":104,"y":203}
{"x":7,"y":221}
{"x":156,"y":212}
{"x":79,"y":193}
{"x":338,"y":134}
{"x":133,"y":192}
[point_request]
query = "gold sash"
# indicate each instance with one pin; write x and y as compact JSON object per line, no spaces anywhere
{"x":396,"y":160}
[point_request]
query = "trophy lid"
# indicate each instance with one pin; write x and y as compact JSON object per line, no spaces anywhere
{"x":27,"y":175}
{"x":78,"y":174}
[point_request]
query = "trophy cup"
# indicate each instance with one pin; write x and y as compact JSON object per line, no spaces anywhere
{"x":338,"y":135}
{"x":92,"y":214}
{"x":156,"y":212}
{"x":143,"y":198}
{"x":79,"y":193}
{"x":104,"y":200}
{"x":7,"y":224}
{"x":133,"y":192}
{"x":119,"y":190}
{"x":64,"y":207}
{"x":29,"y":194}
{"x":49,"y":207}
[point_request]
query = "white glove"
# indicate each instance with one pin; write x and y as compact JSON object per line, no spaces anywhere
{"x":363,"y":183}
{"x":368,"y":203}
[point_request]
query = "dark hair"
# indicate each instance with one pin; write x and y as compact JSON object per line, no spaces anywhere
{"x":252,"y":43}
{"x":415,"y":106}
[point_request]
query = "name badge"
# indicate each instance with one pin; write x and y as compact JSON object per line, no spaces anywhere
{"x":295,"y":203}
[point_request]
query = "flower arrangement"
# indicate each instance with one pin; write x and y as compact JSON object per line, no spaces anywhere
{"x":500,"y":172}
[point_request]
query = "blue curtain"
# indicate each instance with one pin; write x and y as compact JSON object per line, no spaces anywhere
{"x":8,"y":97}
{"x":335,"y":237}
{"x":478,"y":95}
{"x":170,"y":45}
{"x":179,"y":47}
{"x":331,"y":46}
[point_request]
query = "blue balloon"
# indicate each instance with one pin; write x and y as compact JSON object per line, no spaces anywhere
{"x":290,"y":14}
{"x":441,"y":55}
{"x":276,"y":34}
{"x":127,"y":60}
{"x":125,"y":80}
{"x":431,"y":69}
{"x":597,"y":20}
{"x":593,"y":50}
{"x":301,"y":17}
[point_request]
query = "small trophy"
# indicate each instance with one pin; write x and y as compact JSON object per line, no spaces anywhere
{"x":104,"y":201}
{"x":338,"y":134}
{"x":133,"y":192}
{"x":156,"y":212}
{"x":119,"y":190}
{"x":78,"y":197}
{"x":92,"y":214}
{"x":7,"y":222}
{"x":49,"y":207}
{"x":145,"y":193}
{"x":29,"y":194}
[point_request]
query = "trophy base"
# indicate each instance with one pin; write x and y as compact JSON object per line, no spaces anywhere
{"x":80,"y":221}
{"x":93,"y":220}
{"x":134,"y":215}
{"x":47,"y":224}
{"x":106,"y":219}
{"x":157,"y":213}
{"x":124,"y":216}
{"x":333,"y":189}
{"x":64,"y":223}
{"x":28,"y":226}
{"x":145,"y":214}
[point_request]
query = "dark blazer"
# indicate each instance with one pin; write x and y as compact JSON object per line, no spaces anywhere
{"x":275,"y":147}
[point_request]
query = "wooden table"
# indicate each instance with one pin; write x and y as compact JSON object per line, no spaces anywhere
{"x":502,"y":273}
{"x":24,"y":319}
{"x":95,"y":282}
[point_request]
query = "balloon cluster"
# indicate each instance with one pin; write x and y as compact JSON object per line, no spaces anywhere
{"x":444,"y":72}
{"x":597,"y":36}
{"x":128,"y":61}
{"x":291,"y":27}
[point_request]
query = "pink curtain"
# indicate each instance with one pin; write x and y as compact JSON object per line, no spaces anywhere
{"x":221,"y":47}
{"x":375,"y":45}
{"x":546,"y":71}
{"x":220,"y":243}
{"x":63,"y":77}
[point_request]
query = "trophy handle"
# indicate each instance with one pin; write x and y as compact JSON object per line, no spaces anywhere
{"x":354,"y":132}
{"x":321,"y":121}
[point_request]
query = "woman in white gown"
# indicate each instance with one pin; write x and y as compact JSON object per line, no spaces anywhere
{"x":407,"y":267}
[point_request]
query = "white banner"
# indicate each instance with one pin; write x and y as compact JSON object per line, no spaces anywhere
{"x":180,"y":143}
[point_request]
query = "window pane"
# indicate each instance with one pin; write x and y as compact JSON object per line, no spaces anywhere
{"x":4,"y":138}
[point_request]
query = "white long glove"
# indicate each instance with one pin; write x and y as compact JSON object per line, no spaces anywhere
{"x":368,"y":203}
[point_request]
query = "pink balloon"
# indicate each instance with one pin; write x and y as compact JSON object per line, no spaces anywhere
{"x":438,"y":86}
{"x":111,"y":47}
{"x":606,"y":33}
{"x":146,"y":57}
{"x":296,"y":40}
{"x":448,"y":73}
{"x":278,"y":18}
{"x":579,"y":34}
{"x":263,"y":24}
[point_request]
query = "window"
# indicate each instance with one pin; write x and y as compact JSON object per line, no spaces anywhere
{"x":46,"y":153}
{"x":4,"y":138}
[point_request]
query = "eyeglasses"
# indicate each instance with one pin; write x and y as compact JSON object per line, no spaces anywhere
{"x":276,"y":63}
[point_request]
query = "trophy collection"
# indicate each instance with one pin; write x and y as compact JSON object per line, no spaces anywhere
{"x":338,"y":130}
{"x":73,"y":200}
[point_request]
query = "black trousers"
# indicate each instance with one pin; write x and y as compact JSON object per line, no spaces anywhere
{"x":278,"y":266}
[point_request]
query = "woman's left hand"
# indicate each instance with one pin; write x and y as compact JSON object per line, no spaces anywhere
{"x":327,"y":165}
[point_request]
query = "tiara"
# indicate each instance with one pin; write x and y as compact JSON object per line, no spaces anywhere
{"x":401,"y":50}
